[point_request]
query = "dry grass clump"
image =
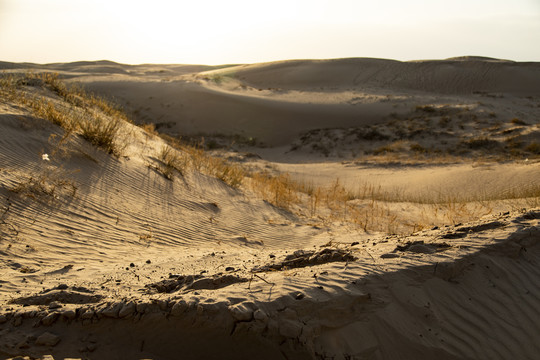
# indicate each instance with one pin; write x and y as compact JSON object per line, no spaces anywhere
{"x":91,"y":117}
{"x":171,"y":160}
{"x":48,"y":186}
{"x":280,"y":190}
{"x":228,"y":172}
{"x":196,"y":157}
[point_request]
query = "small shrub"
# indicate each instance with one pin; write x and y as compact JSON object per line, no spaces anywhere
{"x":425,"y":108}
{"x":417,"y":148}
{"x":480,"y":143}
{"x":517,"y":121}
{"x":101,"y":132}
{"x":171,"y":160}
{"x":533,"y":147}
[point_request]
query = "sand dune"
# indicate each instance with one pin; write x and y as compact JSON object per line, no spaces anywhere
{"x":107,"y":256}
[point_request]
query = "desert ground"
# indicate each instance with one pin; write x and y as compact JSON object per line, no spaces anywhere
{"x":308,"y":209}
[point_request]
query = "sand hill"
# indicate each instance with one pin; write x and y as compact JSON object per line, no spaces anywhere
{"x":351,"y":208}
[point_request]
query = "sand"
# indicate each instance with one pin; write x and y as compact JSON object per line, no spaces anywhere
{"x":102,"y":257}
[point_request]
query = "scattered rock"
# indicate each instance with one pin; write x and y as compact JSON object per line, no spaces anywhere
{"x":260,"y":315}
{"x":47,"y":339}
{"x":88,"y":314}
{"x":127,"y":309}
{"x":148,"y":262}
{"x":421,"y":247}
{"x":69,"y":314}
{"x":229,"y":268}
{"x":112,"y":310}
{"x":55,"y":305}
{"x":303,"y":258}
{"x":132,"y":265}
{"x":179,"y":308}
{"x":241,"y":312}
{"x":49,"y":319}
{"x":389,"y":256}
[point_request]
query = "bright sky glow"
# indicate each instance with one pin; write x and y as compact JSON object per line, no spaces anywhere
{"x":247,"y":31}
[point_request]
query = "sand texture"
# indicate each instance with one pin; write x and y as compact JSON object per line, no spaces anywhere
{"x":407,"y":226}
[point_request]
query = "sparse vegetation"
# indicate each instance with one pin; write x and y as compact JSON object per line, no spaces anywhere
{"x":91,"y":117}
{"x":517,"y":121}
{"x":171,"y":160}
{"x":46,"y":186}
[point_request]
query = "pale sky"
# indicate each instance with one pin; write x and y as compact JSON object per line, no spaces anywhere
{"x":247,"y":31}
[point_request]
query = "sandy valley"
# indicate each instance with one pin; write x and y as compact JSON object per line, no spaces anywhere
{"x":307,"y":209}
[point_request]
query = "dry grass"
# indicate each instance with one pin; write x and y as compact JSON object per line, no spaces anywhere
{"x":374,"y":208}
{"x":197,"y":158}
{"x":171,"y":160}
{"x":46,"y":186}
{"x":93,"y":118}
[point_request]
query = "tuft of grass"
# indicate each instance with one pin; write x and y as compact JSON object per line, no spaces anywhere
{"x":278,"y":190}
{"x":171,"y":161}
{"x":101,"y":132}
{"x":533,"y":147}
{"x":45,"y":186}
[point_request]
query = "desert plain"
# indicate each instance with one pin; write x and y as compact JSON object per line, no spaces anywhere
{"x":306,"y":209}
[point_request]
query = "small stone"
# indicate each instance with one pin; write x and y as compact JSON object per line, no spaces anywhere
{"x":23,"y":345}
{"x":62,"y":287}
{"x":69,"y":314}
{"x":88,"y":314}
{"x":179,"y":308}
{"x":290,"y":328}
{"x":148,"y":262}
{"x":229,"y":268}
{"x":112,"y":310}
{"x":127,"y":309}
{"x":299,"y":296}
{"x":355,"y":243}
{"x":30,"y":314}
{"x":389,"y":256}
{"x":272,"y":256}
{"x":49,"y":319}
{"x":48,"y":339}
{"x":163,"y":304}
{"x":200,"y":309}
{"x":55,"y":305}
{"x":132,"y":265}
{"x":141,"y":307}
{"x":241,"y":312}
{"x":260,"y":315}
